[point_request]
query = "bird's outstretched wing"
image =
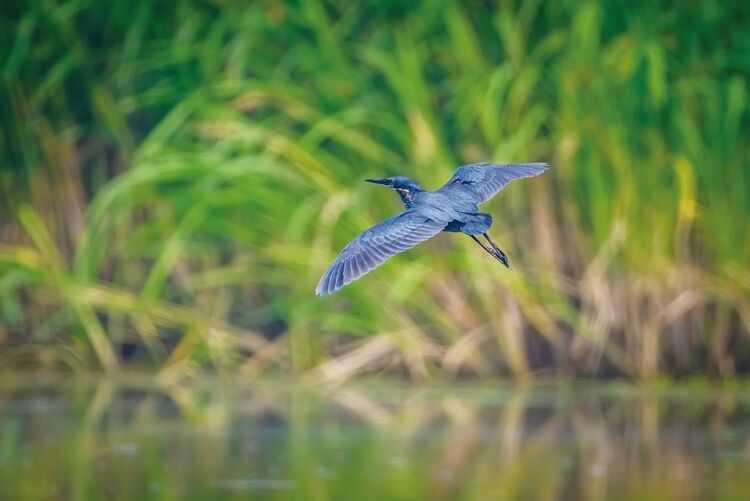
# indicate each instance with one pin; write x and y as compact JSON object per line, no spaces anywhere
{"x":371,"y":248}
{"x":484,"y":180}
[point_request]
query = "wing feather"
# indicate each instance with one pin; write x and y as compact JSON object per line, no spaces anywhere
{"x":371,"y":248}
{"x":484,"y":180}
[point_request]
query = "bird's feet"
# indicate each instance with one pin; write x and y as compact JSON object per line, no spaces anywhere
{"x":493,"y":251}
{"x":497,"y":252}
{"x":501,"y":256}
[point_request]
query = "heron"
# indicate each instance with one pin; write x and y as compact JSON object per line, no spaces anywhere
{"x":452,"y":208}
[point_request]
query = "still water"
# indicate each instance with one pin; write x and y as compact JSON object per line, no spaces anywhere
{"x":63,"y":440}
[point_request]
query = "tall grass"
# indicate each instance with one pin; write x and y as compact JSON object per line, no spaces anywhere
{"x":176,"y":180}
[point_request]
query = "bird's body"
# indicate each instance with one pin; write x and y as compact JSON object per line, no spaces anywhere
{"x":452,"y":208}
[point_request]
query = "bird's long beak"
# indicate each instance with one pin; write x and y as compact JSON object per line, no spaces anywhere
{"x":382,"y":181}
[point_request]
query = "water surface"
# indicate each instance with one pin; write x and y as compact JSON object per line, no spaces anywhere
{"x":68,"y":440}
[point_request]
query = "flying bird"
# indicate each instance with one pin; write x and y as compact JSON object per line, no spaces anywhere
{"x":454,"y":208}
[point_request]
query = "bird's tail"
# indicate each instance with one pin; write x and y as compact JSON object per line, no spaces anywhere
{"x":476,"y":223}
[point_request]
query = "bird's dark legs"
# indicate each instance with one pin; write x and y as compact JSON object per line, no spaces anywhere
{"x":495,"y":251}
{"x":503,"y":256}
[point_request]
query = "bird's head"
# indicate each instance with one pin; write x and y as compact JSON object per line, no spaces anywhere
{"x":404,"y":186}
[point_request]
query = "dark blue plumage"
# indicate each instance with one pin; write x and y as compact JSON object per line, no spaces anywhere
{"x":453,"y":208}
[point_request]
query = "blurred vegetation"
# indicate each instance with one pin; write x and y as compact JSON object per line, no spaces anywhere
{"x":176,"y":176}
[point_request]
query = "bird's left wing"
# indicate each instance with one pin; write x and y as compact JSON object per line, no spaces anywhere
{"x":484,"y":180}
{"x":371,"y":248}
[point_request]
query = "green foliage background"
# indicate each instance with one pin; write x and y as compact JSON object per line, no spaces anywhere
{"x":176,"y":177}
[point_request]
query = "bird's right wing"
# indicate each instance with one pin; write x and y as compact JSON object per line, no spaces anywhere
{"x":484,"y":180}
{"x":371,"y":248}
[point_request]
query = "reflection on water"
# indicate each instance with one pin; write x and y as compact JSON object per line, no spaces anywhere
{"x":274,"y":442}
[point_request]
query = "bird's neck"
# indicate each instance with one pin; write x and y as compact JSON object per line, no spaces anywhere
{"x":407,"y":196}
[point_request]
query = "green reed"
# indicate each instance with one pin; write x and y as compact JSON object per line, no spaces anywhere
{"x":176,"y":179}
